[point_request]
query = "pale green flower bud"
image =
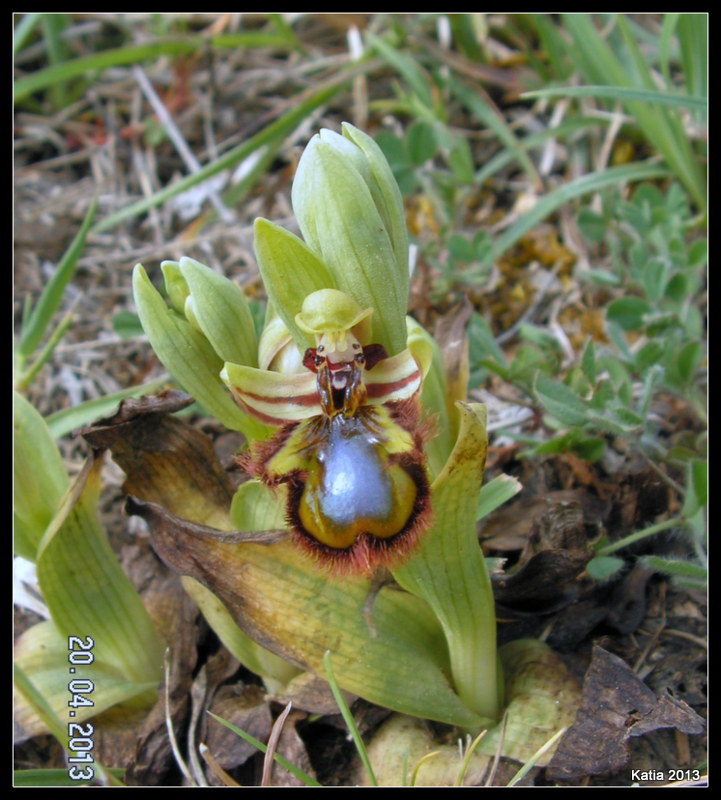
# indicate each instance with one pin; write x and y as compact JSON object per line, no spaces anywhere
{"x":212,"y":324}
{"x":350,"y":213}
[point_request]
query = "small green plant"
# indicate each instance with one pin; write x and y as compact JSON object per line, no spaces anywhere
{"x":653,"y":275}
{"x":338,"y":358}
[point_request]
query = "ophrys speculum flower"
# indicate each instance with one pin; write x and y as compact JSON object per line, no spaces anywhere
{"x":350,"y":446}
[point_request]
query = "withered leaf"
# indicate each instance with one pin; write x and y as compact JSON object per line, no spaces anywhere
{"x":546,"y":583}
{"x":615,"y":705}
{"x":166,"y":461}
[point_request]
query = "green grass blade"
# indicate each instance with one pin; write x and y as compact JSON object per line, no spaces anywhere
{"x":599,"y":64}
{"x":408,"y":68}
{"x":71,"y":419}
{"x":52,"y":777}
{"x":505,"y":157}
{"x":50,"y":76}
{"x":495,"y":493}
{"x":692,"y":30}
{"x":623,"y":93}
{"x":28,"y":376}
{"x":485,"y":114}
{"x":279,"y":759}
{"x":282,"y":126}
{"x":23,"y":30}
{"x":593,"y":182}
{"x":53,"y":26}
{"x":52,"y":294}
{"x":349,"y":721}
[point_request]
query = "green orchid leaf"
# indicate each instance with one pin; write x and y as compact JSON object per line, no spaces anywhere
{"x":40,"y":477}
{"x":172,"y":463}
{"x":460,"y":593}
{"x":276,"y":672}
{"x":285,"y":603}
{"x":543,"y":698}
{"x":42,"y":654}
{"x":86,"y":591}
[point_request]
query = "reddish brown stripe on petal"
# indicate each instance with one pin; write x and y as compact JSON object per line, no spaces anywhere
{"x":380,"y":389}
{"x":259,"y":415}
{"x":294,"y":400}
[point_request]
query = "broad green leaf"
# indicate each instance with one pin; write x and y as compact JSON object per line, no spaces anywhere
{"x":601,"y":568}
{"x":628,"y":312}
{"x":460,"y":592}
{"x":126,"y":324}
{"x":284,"y":602}
{"x":543,"y":699}
{"x":40,"y":479}
{"x":254,"y":508}
{"x":588,"y":362}
{"x":421,"y":142}
{"x":275,"y":671}
{"x":278,"y":596}
{"x":688,"y":359}
{"x":86,"y":591}
{"x":592,"y":225}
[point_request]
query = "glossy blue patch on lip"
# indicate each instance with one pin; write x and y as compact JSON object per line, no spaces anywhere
{"x":355,"y":483}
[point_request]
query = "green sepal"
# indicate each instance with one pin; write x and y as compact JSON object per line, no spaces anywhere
{"x":221,"y":312}
{"x":189,"y":357}
{"x":176,"y":287}
{"x":386,"y":195}
{"x":290,"y":272}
